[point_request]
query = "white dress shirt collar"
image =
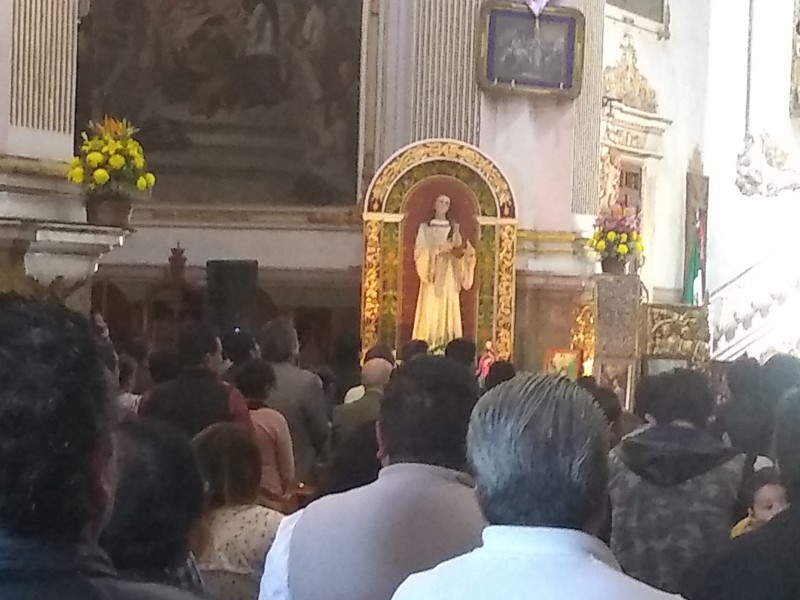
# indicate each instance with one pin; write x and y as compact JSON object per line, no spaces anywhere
{"x":546,"y":540}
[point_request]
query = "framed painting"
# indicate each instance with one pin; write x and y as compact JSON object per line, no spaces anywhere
{"x":249,"y":103}
{"x":566,"y":363}
{"x":521,"y":53}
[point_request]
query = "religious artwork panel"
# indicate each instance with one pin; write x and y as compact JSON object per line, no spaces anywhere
{"x":440,"y":237}
{"x":241,"y":102}
{"x":522,"y":53}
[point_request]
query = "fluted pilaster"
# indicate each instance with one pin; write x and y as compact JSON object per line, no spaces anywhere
{"x":41,"y":77}
{"x":588,"y":115}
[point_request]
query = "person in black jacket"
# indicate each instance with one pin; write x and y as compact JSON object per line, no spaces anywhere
{"x":762,"y":565}
{"x":57,"y":460}
{"x":196,"y":398}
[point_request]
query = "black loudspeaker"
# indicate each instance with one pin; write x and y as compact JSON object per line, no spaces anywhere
{"x":230,"y":293}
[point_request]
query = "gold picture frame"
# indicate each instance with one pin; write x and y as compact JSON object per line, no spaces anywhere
{"x":385,"y":213}
{"x":551,"y":63}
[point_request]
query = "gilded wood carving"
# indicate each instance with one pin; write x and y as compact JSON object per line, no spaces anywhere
{"x":625,"y":82}
{"x":385,"y":212}
{"x":677,"y":331}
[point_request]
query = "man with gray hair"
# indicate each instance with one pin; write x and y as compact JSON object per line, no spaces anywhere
{"x":297,"y":395}
{"x":538,"y":446}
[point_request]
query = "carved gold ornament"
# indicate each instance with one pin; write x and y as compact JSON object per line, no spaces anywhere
{"x":678,"y":331}
{"x":624,"y":81}
{"x":497,"y":243}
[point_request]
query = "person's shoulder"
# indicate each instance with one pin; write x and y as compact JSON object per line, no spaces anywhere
{"x":121,"y":589}
{"x":440,"y":581}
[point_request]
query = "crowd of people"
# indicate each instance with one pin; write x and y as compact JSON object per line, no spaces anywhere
{"x":222,"y":469}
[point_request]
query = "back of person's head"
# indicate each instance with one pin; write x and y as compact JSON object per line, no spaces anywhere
{"x":380,"y":351}
{"x":748,"y":416}
{"x":500,"y":371}
{"x":681,"y":395}
{"x":346,"y":350}
{"x":780,"y":374}
{"x":279,"y":342}
{"x":160,"y":497}
{"x":230,"y":463}
{"x":413,"y":348}
{"x":538,"y":447}
{"x":375,"y":374}
{"x":56,"y":416}
{"x":238,"y":346}
{"x":462,"y":351}
{"x":643,"y":395}
{"x":127,"y":370}
{"x":197,"y":342}
{"x":425,"y":410}
{"x":163,"y":365}
{"x":255,"y":379}
{"x":787,"y":443}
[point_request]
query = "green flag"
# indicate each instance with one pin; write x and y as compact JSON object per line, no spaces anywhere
{"x":692,"y":270}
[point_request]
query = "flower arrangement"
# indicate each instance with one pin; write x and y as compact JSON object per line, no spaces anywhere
{"x":111,"y":162}
{"x":617,"y":235}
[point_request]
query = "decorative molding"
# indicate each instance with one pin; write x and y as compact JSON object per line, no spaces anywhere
{"x":633,"y":132}
{"x":768,"y":170}
{"x":677,"y":331}
{"x":626,"y":83}
{"x":151,"y":214}
{"x":453,"y":151}
{"x":33,"y":167}
{"x":555,"y":243}
{"x":610,"y":175}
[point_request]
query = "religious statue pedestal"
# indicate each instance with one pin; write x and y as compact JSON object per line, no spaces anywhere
{"x":46,"y":246}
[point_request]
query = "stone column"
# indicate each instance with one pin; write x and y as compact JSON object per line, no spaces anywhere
{"x":43,"y":230}
{"x":37,"y":64}
{"x":423,"y":71}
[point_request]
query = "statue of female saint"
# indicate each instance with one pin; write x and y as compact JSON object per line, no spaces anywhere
{"x":445,"y":264}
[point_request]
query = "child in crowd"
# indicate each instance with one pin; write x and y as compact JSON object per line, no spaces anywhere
{"x":767,"y":498}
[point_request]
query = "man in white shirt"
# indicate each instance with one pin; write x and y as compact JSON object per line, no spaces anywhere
{"x":538,"y":447}
{"x":422,"y":510}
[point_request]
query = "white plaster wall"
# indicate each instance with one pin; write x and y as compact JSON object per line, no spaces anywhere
{"x":278,"y":249}
{"x":744,"y":230}
{"x":678,"y":69}
{"x":531,"y":140}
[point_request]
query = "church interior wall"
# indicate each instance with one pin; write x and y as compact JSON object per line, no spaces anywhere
{"x":675,"y":62}
{"x":744,"y":230}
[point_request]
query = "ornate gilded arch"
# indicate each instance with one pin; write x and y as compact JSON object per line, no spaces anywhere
{"x":384,"y":213}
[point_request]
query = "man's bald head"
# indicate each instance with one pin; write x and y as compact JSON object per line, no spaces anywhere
{"x":375,"y":374}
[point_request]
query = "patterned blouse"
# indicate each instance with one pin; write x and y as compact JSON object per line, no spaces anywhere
{"x":240,"y":537}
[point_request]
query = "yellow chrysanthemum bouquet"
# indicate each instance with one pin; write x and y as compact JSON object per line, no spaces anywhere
{"x":617,"y":236}
{"x":111,"y":161}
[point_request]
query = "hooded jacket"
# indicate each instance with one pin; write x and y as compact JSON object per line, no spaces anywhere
{"x":673,"y":493}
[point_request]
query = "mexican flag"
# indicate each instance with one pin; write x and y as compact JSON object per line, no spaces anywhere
{"x":694,"y":276}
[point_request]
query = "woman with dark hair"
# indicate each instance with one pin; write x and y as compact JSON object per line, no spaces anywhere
{"x":255,"y":380}
{"x":240,"y":530}
{"x":499,"y":372}
{"x":159,"y":503}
